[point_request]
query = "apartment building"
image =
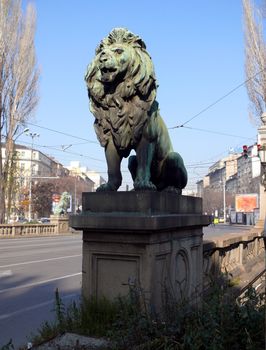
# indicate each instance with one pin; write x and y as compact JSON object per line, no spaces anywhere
{"x":234,"y":174}
{"x":76,"y":169}
{"x":32,"y":163}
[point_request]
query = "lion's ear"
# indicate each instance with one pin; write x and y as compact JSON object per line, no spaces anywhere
{"x":139,"y":43}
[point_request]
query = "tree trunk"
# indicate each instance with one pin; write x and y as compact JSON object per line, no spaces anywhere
{"x":2,"y":186}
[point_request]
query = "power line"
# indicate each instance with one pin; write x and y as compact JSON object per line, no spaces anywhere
{"x":218,"y":100}
{"x":54,"y":148}
{"x":62,"y":133}
{"x":65,"y":151}
{"x":73,"y":153}
{"x":174,"y":127}
{"x":215,"y":132}
{"x":178,"y":126}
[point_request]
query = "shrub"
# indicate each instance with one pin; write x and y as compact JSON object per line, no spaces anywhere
{"x":221,"y":322}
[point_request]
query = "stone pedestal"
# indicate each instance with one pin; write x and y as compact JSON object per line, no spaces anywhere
{"x":149,"y":239}
{"x":62,"y":223}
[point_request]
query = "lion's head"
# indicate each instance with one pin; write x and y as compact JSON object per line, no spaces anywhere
{"x":122,"y":87}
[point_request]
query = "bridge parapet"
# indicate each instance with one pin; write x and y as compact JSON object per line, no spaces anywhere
{"x":241,"y":256}
{"x":58,"y":225}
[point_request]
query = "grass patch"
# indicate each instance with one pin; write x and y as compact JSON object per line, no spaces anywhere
{"x":221,"y":322}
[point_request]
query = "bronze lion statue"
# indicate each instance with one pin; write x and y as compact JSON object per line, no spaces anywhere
{"x":122,"y":90}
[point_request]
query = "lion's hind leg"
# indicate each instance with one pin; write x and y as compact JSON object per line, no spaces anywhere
{"x":174,"y":175}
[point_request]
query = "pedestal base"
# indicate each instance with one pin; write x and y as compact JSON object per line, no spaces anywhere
{"x":61,"y":222}
{"x":149,"y":239}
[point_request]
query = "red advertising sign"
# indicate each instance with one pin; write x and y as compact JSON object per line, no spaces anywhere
{"x":246,"y":202}
{"x":56,"y":197}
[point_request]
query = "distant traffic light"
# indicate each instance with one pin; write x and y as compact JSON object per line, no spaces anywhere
{"x":245,"y":151}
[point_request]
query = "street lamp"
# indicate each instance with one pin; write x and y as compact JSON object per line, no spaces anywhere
{"x":262,"y":155}
{"x":22,"y":132}
{"x":32,"y":135}
{"x":223,"y":183}
{"x":262,"y":149}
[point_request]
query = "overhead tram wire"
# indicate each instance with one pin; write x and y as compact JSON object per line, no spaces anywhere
{"x":72,"y":153}
{"x":217,"y":101}
{"x":64,"y":151}
{"x":62,"y":133}
{"x":190,"y":165}
{"x":218,"y":132}
{"x":175,"y":127}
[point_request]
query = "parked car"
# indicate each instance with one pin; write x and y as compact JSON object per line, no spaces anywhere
{"x":44,"y":220}
{"x":21,"y":220}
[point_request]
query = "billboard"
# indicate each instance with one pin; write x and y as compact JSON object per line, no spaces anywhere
{"x":246,"y":202}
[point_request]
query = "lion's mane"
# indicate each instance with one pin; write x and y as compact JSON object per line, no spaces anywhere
{"x":122,"y":108}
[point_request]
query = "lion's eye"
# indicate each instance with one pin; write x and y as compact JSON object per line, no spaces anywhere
{"x":119,"y":51}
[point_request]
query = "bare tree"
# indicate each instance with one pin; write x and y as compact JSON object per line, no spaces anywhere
{"x":255,"y":65}
{"x":42,"y":193}
{"x":19,"y":76}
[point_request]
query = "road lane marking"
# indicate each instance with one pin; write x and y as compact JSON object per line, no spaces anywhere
{"x":36,"y":306}
{"x":39,"y":245}
{"x":35,"y":238}
{"x":39,"y":283}
{"x":40,"y":261}
{"x":41,"y":238}
{"x":5,"y":273}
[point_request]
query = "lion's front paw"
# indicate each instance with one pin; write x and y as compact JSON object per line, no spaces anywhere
{"x":144,"y":186}
{"x":106,"y":187}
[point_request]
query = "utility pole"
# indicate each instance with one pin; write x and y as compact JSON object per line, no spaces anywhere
{"x":75,"y":195}
{"x":224,"y":201}
{"x":222,"y":183}
{"x":262,"y":156}
{"x":32,"y":135}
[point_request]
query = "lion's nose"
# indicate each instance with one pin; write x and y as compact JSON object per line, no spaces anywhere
{"x":103,"y":57}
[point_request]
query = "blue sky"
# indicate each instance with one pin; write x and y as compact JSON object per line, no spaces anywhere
{"x":198,"y":52}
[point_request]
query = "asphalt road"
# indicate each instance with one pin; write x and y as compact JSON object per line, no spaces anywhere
{"x":30,"y":271}
{"x":222,"y":229}
{"x":32,"y":268}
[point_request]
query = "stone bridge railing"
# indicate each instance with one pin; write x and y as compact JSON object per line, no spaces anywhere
{"x":58,"y":225}
{"x":241,"y":256}
{"x":15,"y":230}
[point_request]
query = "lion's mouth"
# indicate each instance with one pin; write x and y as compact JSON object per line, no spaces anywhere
{"x":108,"y":70}
{"x":108,"y":74}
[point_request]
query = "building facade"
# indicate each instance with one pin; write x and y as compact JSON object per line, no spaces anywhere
{"x":32,"y":163}
{"x":232,"y":175}
{"x":30,"y":167}
{"x":76,"y":169}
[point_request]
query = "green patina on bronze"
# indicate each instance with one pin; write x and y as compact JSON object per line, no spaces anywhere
{"x":122,"y":90}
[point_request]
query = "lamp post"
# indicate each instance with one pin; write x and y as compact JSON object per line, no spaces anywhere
{"x":262,"y":156}
{"x":222,"y":182}
{"x":224,"y":202}
{"x":32,"y":135}
{"x":22,"y":132}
